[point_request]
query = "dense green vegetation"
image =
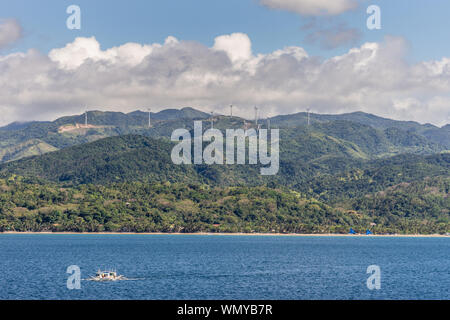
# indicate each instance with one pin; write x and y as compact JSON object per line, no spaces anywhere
{"x":304,"y":156}
{"x":128,"y":183}
{"x":167,"y":207}
{"x":375,"y":176}
{"x":163,"y":207}
{"x":418,"y":207}
{"x":350,"y":171}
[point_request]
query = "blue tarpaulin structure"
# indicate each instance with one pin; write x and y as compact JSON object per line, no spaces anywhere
{"x":368,"y":231}
{"x":352,"y":231}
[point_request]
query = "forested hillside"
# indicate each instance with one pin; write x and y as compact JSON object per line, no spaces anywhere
{"x":374,"y":136}
{"x":350,"y":171}
{"x":167,"y":207}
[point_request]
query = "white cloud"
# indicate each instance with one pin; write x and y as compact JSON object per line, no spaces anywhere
{"x":312,"y":7}
{"x":10,"y":32}
{"x":374,"y":77}
{"x":78,"y":52}
{"x":237,"y":46}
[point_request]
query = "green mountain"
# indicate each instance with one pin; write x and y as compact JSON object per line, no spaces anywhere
{"x":25,"y":149}
{"x":377,"y":142}
{"x":63,"y":132}
{"x":353,"y":170}
{"x":119,"y":158}
{"x":375,"y":176}
{"x":307,"y":158}
{"x":440,"y":136}
{"x":18,"y":125}
{"x":128,"y":183}
{"x":136,"y":118}
{"x":369,"y":136}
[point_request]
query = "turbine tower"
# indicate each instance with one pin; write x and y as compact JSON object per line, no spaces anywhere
{"x":212,"y":119}
{"x":149,"y":118}
{"x":85,"y":119}
{"x":256,"y":116}
{"x":308,"y":116}
{"x":231,"y":110}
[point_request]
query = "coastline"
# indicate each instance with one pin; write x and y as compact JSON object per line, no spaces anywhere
{"x":236,"y":234}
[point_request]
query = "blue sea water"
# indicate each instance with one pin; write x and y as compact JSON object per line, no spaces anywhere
{"x":224,"y":267}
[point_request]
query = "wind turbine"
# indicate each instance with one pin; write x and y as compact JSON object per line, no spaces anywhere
{"x":256,"y":115}
{"x":212,"y":119}
{"x":231,"y":110}
{"x":149,"y":118}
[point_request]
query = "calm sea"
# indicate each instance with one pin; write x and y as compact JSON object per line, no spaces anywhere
{"x":224,"y":267}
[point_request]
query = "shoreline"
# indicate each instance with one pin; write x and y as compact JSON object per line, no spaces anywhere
{"x":235,"y":234}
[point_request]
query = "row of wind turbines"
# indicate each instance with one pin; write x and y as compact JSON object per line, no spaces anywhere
{"x":245,"y":122}
{"x":256,"y":117}
{"x":212,"y":118}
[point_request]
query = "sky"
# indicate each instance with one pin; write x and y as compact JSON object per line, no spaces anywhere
{"x":282,"y":55}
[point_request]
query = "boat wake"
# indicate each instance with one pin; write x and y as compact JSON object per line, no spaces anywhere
{"x":106,"y":280}
{"x":104,"y":276}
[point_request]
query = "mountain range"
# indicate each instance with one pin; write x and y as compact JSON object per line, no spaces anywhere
{"x":352,"y":170}
{"x":374,"y":136}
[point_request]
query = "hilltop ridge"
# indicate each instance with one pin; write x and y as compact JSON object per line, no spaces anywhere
{"x":117,"y":175}
{"x":386,"y":136}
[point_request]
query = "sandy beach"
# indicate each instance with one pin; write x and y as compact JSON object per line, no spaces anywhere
{"x":238,"y":234}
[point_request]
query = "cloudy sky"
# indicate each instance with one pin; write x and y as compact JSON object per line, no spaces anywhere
{"x":282,"y":55}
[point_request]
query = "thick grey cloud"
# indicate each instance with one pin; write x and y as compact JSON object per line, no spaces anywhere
{"x":10,"y":32}
{"x":312,"y":7}
{"x":332,"y":36}
{"x":374,"y":77}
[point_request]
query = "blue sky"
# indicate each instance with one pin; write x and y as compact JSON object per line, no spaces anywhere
{"x":423,"y":24}
{"x":283,"y":55}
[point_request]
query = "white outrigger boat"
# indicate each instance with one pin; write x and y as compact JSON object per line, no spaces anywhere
{"x":107,"y":276}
